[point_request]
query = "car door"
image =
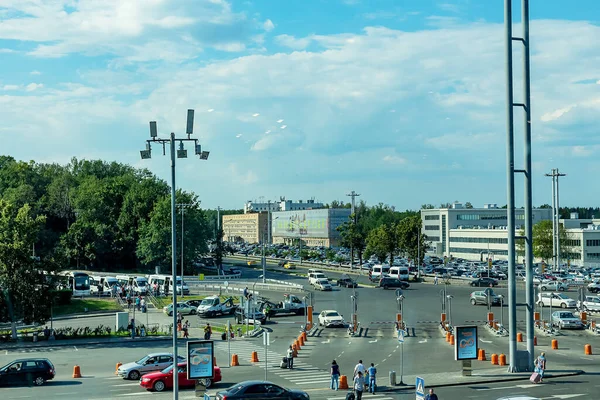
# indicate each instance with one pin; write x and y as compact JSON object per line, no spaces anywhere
{"x":164,"y":361}
{"x":151,"y":364}
{"x":256,"y":391}
{"x":183,"y":379}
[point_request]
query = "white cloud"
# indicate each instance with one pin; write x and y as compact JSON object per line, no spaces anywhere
{"x":10,"y":87}
{"x":34,"y":86}
{"x":556,"y":114}
{"x":394,"y":159}
{"x":6,"y":51}
{"x":265,"y":142}
{"x":292,"y":42}
{"x":35,"y":72}
{"x":268,"y":25}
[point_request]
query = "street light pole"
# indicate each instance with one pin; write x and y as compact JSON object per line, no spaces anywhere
{"x":181,"y":153}
{"x":182,"y":206}
{"x":450,"y":297}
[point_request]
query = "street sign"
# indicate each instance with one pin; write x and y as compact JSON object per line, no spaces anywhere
{"x":401,"y":334}
{"x":420,"y":388}
{"x":225,"y":283}
{"x":398,"y":292}
{"x":266,"y":339}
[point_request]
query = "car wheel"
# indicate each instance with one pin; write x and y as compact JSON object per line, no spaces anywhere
{"x":561,"y":289}
{"x":473,"y":284}
{"x":473,"y":302}
{"x":39,"y":381}
{"x":541,"y":304}
{"x":193,"y":312}
{"x":207,"y":383}
{"x":543,"y":288}
{"x":159,"y":386}
{"x":385,"y":287}
{"x":133,"y":375}
{"x":563,"y":305}
{"x":170,"y":314}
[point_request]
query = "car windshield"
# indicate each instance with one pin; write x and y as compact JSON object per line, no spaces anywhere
{"x":567,"y":315}
{"x":206,"y":302}
{"x":142,"y":360}
{"x":167,"y":370}
{"x":562,"y":296}
{"x":332,"y":314}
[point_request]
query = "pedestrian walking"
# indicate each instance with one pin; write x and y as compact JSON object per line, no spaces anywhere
{"x":143,"y":304}
{"x":540,"y":365}
{"x":335,"y":375}
{"x":186,"y":327}
{"x":290,"y":358}
{"x":128,"y":298}
{"x":372,"y":378}
{"x":179,"y":317}
{"x":359,"y":368}
{"x":138,"y":303}
{"x":431,"y":395}
{"x":268,"y":311}
{"x":246,"y":292}
{"x":435,"y":279}
{"x":359,"y":385}
{"x":207,"y":331}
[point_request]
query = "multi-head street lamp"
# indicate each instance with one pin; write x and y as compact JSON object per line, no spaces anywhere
{"x":180,"y":153}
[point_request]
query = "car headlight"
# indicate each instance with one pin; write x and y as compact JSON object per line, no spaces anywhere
{"x":145,"y":379}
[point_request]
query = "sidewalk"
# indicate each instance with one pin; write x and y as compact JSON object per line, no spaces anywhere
{"x":83,"y":341}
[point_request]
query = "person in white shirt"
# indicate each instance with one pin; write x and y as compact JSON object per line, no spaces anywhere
{"x":359,"y":368}
{"x":359,"y":384}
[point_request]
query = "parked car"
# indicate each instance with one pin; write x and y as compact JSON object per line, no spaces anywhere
{"x":331,"y":319}
{"x":590,"y":303}
{"x":594,"y":287}
{"x":260,"y":390}
{"x":553,"y":286}
{"x":483,"y":296}
{"x":161,"y":380}
{"x":150,"y":363}
{"x":184,"y":308}
{"x":27,"y":371}
{"x":389,"y":282}
{"x":566,"y":319}
{"x":555,"y":300}
{"x":346,"y":281}
{"x":484,"y":282}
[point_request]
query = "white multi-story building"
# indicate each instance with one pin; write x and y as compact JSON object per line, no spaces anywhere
{"x":480,"y":233}
{"x":281,"y":205}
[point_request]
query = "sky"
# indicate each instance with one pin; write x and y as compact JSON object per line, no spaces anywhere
{"x":402,"y":101}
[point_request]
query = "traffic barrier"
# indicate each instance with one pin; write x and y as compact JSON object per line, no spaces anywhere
{"x":76,"y":372}
{"x":309,"y":317}
{"x":554,"y":344}
{"x":254,"y":357}
{"x":343,"y":382}
{"x":519,"y":337}
{"x":587,"y":349}
{"x":117,"y":368}
{"x":452,"y":340}
{"x":294,"y":350}
{"x":481,"y":355}
{"x":448,"y":336}
{"x":494,"y":359}
{"x":536,"y":318}
{"x":502,"y":359}
{"x":583,"y":316}
{"x":490,"y":318}
{"x":301,"y":340}
{"x":443,"y":317}
{"x":398,"y":317}
{"x":298,"y":345}
{"x":535,"y":340}
{"x":235,"y":362}
{"x":305,"y":336}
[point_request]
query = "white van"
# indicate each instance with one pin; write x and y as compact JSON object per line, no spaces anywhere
{"x":162,"y":279}
{"x":313,"y":277}
{"x":378,"y":271}
{"x":102,"y":285}
{"x":140,"y":285}
{"x":401,"y":273}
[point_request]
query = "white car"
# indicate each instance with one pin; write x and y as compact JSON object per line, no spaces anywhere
{"x":322,"y":284}
{"x":331,"y":319}
{"x":591,"y":303}
{"x":553,"y":286}
{"x":183,"y":307}
{"x":150,"y":363}
{"x":553,"y":299}
{"x":566,"y":319}
{"x":594,"y":287}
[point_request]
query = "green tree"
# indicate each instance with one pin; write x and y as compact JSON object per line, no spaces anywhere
{"x":427,"y":206}
{"x":468,"y":204}
{"x":25,"y":294}
{"x":542,"y":241}
{"x":383,"y":242}
{"x":408,"y":236}
{"x":353,"y":237}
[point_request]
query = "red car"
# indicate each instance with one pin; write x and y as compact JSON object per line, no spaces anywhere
{"x":159,"y":381}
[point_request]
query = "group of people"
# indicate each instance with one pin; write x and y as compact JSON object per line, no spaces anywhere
{"x":140,"y":302}
{"x":183,"y":326}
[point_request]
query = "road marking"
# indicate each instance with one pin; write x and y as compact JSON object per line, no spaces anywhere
{"x":5,"y":352}
{"x":397,"y":346}
{"x":587,"y":358}
{"x":486,"y":341}
{"x":326,"y":341}
{"x":423,"y":341}
{"x":127,"y":384}
{"x":75,"y":347}
{"x":384,"y":360}
{"x":565,"y":396}
{"x":389,"y":355}
{"x":373,"y":341}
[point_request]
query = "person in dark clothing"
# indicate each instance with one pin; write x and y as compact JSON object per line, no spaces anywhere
{"x":431,"y":395}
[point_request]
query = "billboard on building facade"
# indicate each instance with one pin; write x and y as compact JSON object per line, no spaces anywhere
{"x":321,"y":223}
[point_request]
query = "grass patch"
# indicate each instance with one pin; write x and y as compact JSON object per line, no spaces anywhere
{"x":81,"y":306}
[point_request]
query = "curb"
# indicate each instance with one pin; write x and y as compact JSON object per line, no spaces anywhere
{"x":484,"y":381}
{"x":21,"y":345}
{"x":94,"y":315}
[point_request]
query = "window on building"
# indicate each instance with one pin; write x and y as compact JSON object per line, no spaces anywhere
{"x":593,"y":255}
{"x":592,"y":243}
{"x":573,"y":242}
{"x":432,"y":227}
{"x":432,"y":218}
{"x":467,"y":250}
{"x":433,"y":238}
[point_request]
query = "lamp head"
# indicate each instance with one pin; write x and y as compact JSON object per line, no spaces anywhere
{"x":181,"y":153}
{"x":153,"y":129}
{"x":190,"y":122}
{"x":204,"y":155}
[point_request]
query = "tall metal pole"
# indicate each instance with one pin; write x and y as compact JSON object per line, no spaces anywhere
{"x":554,"y":263}
{"x":264,"y":261}
{"x":269,"y":223}
{"x":182,"y":236}
{"x":419,"y":252}
{"x":558,"y":174}
{"x":352,"y":195}
{"x":174,"y":269}
{"x":510,"y":186}
{"x":529,"y":295}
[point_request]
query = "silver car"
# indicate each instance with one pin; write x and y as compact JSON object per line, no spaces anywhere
{"x":591,"y":303}
{"x":566,"y":320}
{"x":150,"y":363}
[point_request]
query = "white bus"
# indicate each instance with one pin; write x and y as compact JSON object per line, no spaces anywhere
{"x":77,"y":282}
{"x":162,"y":279}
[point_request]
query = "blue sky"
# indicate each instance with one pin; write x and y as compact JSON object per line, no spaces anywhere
{"x":402,"y":101}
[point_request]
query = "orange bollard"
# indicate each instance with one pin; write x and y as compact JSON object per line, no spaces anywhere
{"x":298,"y":345}
{"x":502,"y":359}
{"x":536,"y":317}
{"x":343,"y":382}
{"x":301,"y":340}
{"x":235,"y":362}
{"x":494,"y":359}
{"x":587,"y":349}
{"x":117,"y":368}
{"x":448,"y":336}
{"x":452,"y":340}
{"x":294,"y":350}
{"x":305,"y":336}
{"x":443,"y":318}
{"x":535,"y":340}
{"x":481,"y":355}
{"x":254,"y":357}
{"x":583,"y":316}
{"x":76,"y":372}
{"x":554,"y":344}
{"x":519,"y":337}
{"x":490,"y":318}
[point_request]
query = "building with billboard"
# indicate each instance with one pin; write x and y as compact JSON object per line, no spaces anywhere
{"x":247,"y":228}
{"x":315,"y":227}
{"x":281,"y":205}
